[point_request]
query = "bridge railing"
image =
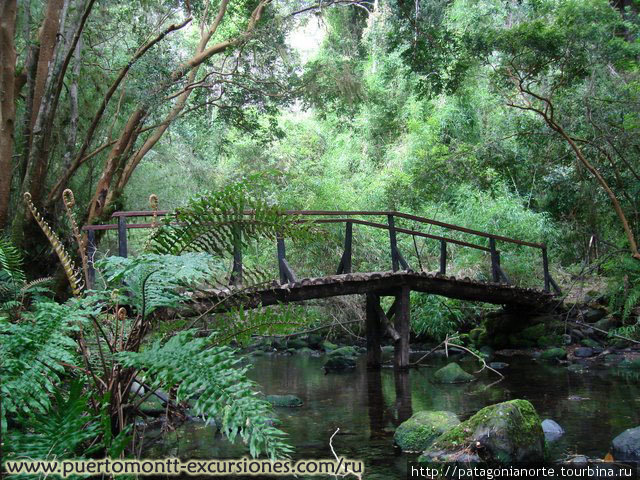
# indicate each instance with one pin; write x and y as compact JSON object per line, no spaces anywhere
{"x":348,"y":218}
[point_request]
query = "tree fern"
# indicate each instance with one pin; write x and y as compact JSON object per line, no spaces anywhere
{"x":218,"y":389}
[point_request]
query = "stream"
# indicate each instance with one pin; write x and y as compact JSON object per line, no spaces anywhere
{"x":593,"y":406}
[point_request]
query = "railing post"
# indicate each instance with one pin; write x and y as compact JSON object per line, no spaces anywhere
{"x":346,"y":256}
{"x":236,"y":272}
{"x":545,"y":267}
{"x":122,"y":236}
{"x":91,"y":251}
{"x":443,"y":257}
{"x":495,"y":260}
{"x":394,"y":244}
{"x":281,"y":257}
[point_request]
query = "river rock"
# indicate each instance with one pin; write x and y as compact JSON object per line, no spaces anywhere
{"x":506,"y":432}
{"x":498,"y":365}
{"x":315,"y":341}
{"x":417,"y":433}
{"x":626,"y":446}
{"x":452,"y":373}
{"x":632,"y":364}
{"x":588,"y":342}
{"x":583,"y":352}
{"x":306,"y":351}
{"x":284,"y":400}
{"x":592,"y":315}
{"x":554,"y":354}
{"x":339,"y":363}
{"x":344,"y":352}
{"x":296,"y":343}
{"x":328,"y":346}
{"x":552,"y":431}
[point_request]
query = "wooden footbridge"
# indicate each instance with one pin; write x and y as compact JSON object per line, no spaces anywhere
{"x":397,"y":282}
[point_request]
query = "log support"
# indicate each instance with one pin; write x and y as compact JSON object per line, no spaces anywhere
{"x":378,"y":322}
{"x":122,"y":236}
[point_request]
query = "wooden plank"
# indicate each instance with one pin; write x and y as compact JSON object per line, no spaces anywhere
{"x":348,"y":241}
{"x":281,"y":255}
{"x":443,"y":257}
{"x":362,"y":284}
{"x":290,"y":277}
{"x":403,"y":230}
{"x":386,"y":323}
{"x":495,"y":261}
{"x":393,"y":243}
{"x":401,"y":351}
{"x":122,"y":237}
{"x":545,"y":267}
{"x":236,"y":271}
{"x":91,"y":252}
{"x":373,"y":332}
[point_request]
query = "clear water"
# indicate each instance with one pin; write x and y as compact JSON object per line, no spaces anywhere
{"x":593,"y":407}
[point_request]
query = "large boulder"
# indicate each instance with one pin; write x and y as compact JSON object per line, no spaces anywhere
{"x":452,"y":373}
{"x":296,"y":343}
{"x":417,"y":433}
{"x":506,"y":432}
{"x":554,"y":354}
{"x":344,"y":352}
{"x":339,"y":363}
{"x":626,"y":446}
{"x":284,"y":400}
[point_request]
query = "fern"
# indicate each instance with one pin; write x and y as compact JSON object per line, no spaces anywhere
{"x":11,"y":262}
{"x":62,"y":432}
{"x":152,"y":281}
{"x":33,"y":355}
{"x":625,"y":286}
{"x":219,"y":389}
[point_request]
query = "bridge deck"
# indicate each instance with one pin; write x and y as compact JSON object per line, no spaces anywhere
{"x":381,"y":284}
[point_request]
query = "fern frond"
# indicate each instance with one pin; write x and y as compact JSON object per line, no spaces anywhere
{"x":70,"y":270}
{"x":11,"y":261}
{"x":209,"y":378}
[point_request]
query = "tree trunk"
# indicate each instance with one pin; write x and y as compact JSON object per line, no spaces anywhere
{"x":603,"y":183}
{"x":7,"y":103}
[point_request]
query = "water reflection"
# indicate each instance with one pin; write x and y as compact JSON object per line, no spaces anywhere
{"x":593,"y":407}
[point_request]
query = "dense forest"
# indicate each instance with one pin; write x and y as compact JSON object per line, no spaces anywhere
{"x":519,"y":118}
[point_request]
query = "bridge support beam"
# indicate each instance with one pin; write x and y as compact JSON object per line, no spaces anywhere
{"x":374,"y":332}
{"x":377,"y":323}
{"x":402,"y":326}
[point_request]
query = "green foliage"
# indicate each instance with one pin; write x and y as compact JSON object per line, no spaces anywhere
{"x":150,"y":281}
{"x":209,"y":377}
{"x":61,"y":432}
{"x":624,"y":287}
{"x":33,"y":355}
{"x":435,"y":317}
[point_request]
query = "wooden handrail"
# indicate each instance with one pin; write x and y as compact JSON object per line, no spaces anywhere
{"x":416,"y":218}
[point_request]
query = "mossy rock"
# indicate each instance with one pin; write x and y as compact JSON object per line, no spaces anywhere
{"x":534,"y":332}
{"x":306,"y":351}
{"x":554,"y":354}
{"x":327,"y":346}
{"x":632,"y":364}
{"x":588,"y":342}
{"x":284,"y":400}
{"x":619,"y":343}
{"x":339,"y":363}
{"x":506,"y":432}
{"x":452,"y":373}
{"x":547,"y":341}
{"x":478,"y":336}
{"x":344,"y":352}
{"x":315,"y":341}
{"x":417,"y":433}
{"x":296,"y":343}
{"x":606,"y":323}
